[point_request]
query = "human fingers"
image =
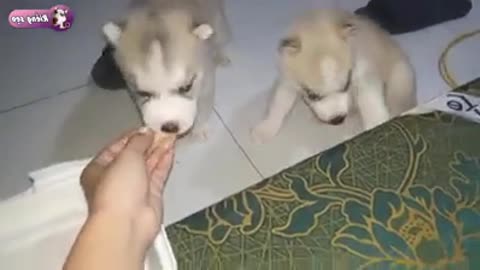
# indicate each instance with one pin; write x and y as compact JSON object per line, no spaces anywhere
{"x":161,"y":172}
{"x":130,"y":164}
{"x":108,"y":153}
{"x":157,"y":182}
{"x":93,"y":171}
{"x":89,"y":179}
{"x":139,"y":143}
{"x":158,"y":152}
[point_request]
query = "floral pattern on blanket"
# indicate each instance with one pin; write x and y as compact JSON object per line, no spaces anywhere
{"x":405,"y":195}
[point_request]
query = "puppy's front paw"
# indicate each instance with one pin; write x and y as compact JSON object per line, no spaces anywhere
{"x":419,"y":110}
{"x":223,"y":60}
{"x":371,"y":124}
{"x":263,"y":132}
{"x":200,"y":134}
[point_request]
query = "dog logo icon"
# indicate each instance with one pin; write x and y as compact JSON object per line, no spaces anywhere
{"x":61,"y":18}
{"x":58,"y":18}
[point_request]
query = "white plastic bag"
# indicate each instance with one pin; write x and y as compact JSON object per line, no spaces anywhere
{"x":38,"y":227}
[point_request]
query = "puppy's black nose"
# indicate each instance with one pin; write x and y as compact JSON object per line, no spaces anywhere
{"x":337,"y":120}
{"x":170,"y":127}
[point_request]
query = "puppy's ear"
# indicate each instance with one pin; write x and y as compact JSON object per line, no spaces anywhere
{"x":290,"y":45}
{"x":113,"y":32}
{"x":203,"y":31}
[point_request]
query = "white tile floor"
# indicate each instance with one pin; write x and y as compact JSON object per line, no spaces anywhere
{"x":49,"y":112}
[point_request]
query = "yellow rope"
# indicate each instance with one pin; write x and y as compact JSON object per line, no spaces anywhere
{"x":442,"y":63}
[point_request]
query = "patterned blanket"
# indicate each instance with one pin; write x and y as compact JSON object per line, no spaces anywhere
{"x":405,"y":195}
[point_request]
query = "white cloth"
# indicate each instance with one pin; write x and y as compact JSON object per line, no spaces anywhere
{"x":39,"y":225}
{"x":459,"y":104}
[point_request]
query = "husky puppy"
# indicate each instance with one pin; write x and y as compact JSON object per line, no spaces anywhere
{"x":168,"y":51}
{"x":338,"y":63}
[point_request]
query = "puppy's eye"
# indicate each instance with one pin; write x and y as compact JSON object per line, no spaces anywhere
{"x":144,"y":94}
{"x":186,"y":88}
{"x":312,"y":96}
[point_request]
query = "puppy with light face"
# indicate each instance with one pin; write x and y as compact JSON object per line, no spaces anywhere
{"x":169,"y":51}
{"x":339,"y":63}
{"x":59,"y":17}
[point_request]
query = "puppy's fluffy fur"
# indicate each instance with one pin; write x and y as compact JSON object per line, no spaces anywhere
{"x":169,"y":50}
{"x":337,"y":62}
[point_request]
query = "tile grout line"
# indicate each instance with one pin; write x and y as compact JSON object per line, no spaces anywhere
{"x":42,"y":98}
{"x":244,"y":152}
{"x":239,"y":145}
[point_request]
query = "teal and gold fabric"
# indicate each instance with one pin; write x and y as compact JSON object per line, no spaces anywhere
{"x":405,"y":195}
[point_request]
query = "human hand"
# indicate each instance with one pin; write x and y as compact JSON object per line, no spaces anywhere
{"x":126,"y":180}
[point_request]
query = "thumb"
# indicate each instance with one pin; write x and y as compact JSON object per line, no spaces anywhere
{"x":160,"y":174}
{"x":139,"y":143}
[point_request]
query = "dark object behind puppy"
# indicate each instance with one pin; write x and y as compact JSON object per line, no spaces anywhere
{"x":402,"y":16}
{"x":105,"y":72}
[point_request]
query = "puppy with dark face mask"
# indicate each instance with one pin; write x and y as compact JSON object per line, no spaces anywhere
{"x":338,"y":63}
{"x":168,"y":52}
